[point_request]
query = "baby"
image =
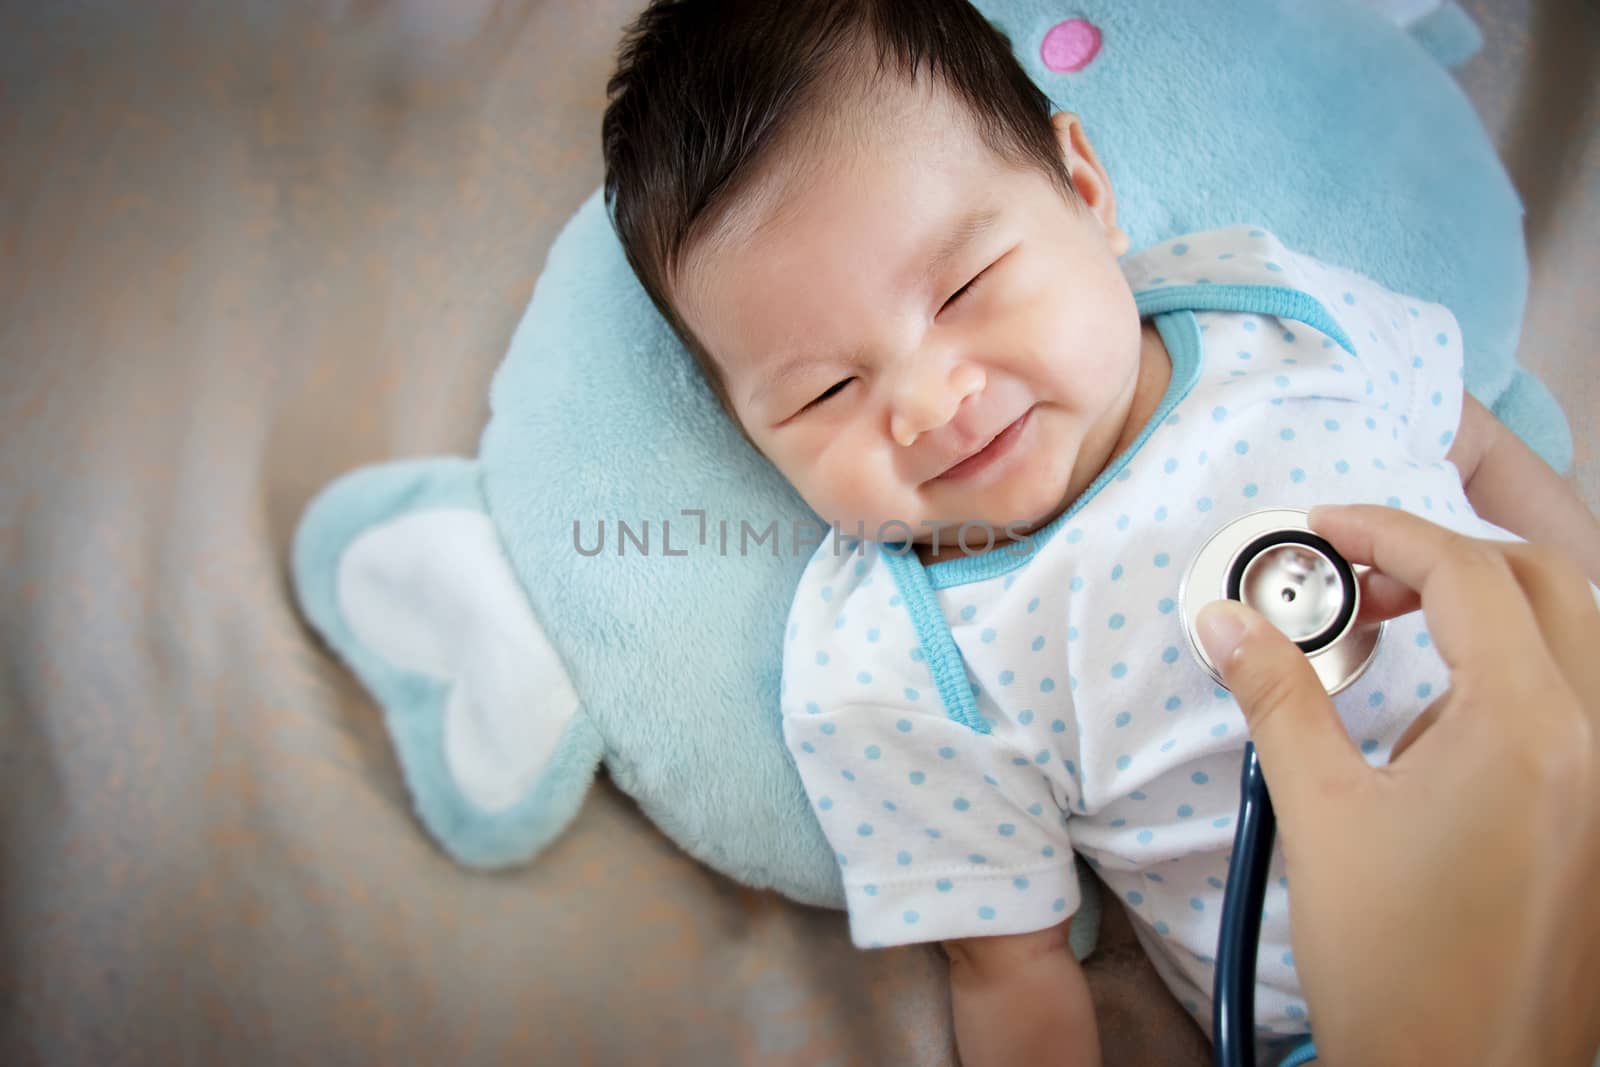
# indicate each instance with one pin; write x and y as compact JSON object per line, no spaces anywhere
{"x":902,"y":275}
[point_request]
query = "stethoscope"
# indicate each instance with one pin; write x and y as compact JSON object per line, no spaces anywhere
{"x":1271,"y":561}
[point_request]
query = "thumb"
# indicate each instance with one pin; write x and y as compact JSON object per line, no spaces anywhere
{"x":1301,"y":742}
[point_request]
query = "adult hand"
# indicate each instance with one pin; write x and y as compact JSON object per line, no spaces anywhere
{"x":1444,"y":908}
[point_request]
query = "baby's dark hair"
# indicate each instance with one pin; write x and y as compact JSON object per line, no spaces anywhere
{"x":705,"y":89}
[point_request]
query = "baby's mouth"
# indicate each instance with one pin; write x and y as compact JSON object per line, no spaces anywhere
{"x":997,"y":448}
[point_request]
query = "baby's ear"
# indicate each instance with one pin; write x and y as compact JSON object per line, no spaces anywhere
{"x":400,"y":569}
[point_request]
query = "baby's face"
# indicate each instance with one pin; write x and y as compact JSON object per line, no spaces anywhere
{"x":913,"y":332}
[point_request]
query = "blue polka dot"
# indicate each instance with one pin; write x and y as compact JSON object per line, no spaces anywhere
{"x":1441,"y":339}
{"x":916,"y":655}
{"x":1375,"y":699}
{"x":1163,"y":929}
{"x":1173,"y":703}
{"x":1276,"y":268}
{"x":947,"y":752}
{"x":987,"y":635}
{"x":894,"y":601}
{"x":968,"y":612}
{"x":864,"y":678}
{"x":1007,"y":677}
{"x":865,"y":829}
{"x":904,"y":858}
{"x":1369,"y":746}
{"x":1219,"y":730}
{"x":1020,"y":883}
{"x":911,"y":917}
{"x":873,"y":752}
{"x":1033,"y":605}
{"x":1047,"y":685}
{"x":825,"y":803}
{"x":828,"y":728}
{"x":1180,"y":249}
{"x":1116,"y":621}
{"x":872,"y":635}
{"x":1124,"y":762}
{"x":870,"y":890}
{"x":1251,"y":490}
{"x":1144,"y":837}
{"x":1199,"y":778}
{"x":1119,"y":669}
{"x":1074,"y":535}
{"x":812,"y":708}
{"x":1424,"y":690}
{"x":1342,"y":467}
{"x":1169,"y":654}
{"x":944,"y":885}
{"x":1161,"y":514}
{"x":1122,"y":522}
{"x":1123,"y":718}
{"x":1286,"y":434}
{"x":961,"y":804}
{"x":1297,"y":475}
{"x":1006,"y":829}
{"x":822,"y":659}
{"x":1214,"y":883}
{"x":848,"y":776}
{"x":1294,"y":1011}
{"x":1166,"y":606}
{"x":1331,"y":425}
{"x":1197,"y":904}
{"x":1244,"y":355}
{"x":1219,"y":413}
{"x":1349,"y":298}
{"x":1116,"y":573}
{"x":1219,"y":823}
{"x":1060,"y":905}
{"x":1204,"y":504}
{"x":1162,"y":559}
{"x":827,"y":593}
{"x":1446,"y":437}
{"x":917,"y":777}
{"x":1184,"y":811}
{"x":1138,"y":794}
{"x":1135,"y":897}
{"x":1038,"y":643}
{"x":1423,"y":640}
{"x":986,"y":912}
{"x":1076,"y":585}
{"x":1393,"y":501}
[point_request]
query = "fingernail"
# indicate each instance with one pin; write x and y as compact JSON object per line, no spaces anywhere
{"x":1221,"y":627}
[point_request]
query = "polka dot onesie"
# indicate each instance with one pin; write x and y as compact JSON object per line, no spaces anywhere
{"x":965,"y":729}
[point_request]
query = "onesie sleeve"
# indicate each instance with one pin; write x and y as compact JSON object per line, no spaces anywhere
{"x":940,"y":832}
{"x":1411,"y":348}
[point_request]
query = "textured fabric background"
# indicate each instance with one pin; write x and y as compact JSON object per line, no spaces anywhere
{"x":243,"y":248}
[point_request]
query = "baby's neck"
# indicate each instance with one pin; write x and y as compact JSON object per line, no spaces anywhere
{"x":1155,"y":374}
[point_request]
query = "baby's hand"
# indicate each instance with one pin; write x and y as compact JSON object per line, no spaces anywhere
{"x":1021,"y":999}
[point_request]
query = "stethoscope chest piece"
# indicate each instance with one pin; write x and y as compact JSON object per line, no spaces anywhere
{"x":1271,"y":561}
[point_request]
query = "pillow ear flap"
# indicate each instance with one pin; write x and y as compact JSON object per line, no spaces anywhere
{"x":401,"y":571}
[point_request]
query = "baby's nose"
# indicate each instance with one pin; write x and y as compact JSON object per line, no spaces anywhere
{"x":927,"y":401}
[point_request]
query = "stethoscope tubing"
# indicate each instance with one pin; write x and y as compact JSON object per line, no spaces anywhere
{"x":1233,"y":1006}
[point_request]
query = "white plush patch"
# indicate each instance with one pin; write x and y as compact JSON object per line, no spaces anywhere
{"x":432,"y":592}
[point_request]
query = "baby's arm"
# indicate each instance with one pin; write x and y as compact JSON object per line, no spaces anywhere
{"x":1513,"y":488}
{"x":1021,"y":999}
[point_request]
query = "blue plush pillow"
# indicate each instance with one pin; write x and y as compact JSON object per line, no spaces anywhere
{"x":511,"y":658}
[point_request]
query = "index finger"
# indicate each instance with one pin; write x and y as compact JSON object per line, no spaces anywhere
{"x":1477,"y":612}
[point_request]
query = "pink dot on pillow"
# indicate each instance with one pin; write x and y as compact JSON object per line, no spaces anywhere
{"x":1070,"y":46}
